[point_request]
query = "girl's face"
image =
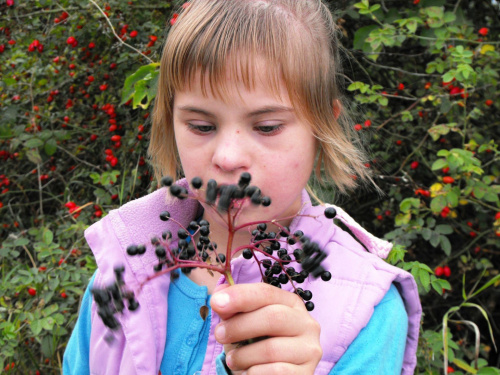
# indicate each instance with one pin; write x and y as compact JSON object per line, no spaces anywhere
{"x":257,"y":133}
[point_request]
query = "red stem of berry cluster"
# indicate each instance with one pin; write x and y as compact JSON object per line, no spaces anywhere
{"x":232,"y":229}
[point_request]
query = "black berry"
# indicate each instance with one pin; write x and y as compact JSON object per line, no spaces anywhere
{"x":330,"y":212}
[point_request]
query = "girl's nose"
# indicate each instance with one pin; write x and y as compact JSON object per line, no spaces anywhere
{"x":230,"y":153}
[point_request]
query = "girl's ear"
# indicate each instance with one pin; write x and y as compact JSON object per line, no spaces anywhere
{"x":337,"y":108}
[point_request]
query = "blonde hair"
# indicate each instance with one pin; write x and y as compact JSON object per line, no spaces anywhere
{"x":297,"y":39}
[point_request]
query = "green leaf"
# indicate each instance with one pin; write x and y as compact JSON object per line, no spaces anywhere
{"x":408,"y":203}
{"x":426,"y":234}
{"x":21,"y":241}
{"x":448,"y":77}
{"x":36,"y":327}
{"x":50,"y":147}
{"x":424,"y":279}
{"x":452,"y":198}
{"x":34,"y":156}
{"x":47,"y":236}
{"x":361,"y":35}
{"x":438,"y":203}
{"x":439,"y":164}
{"x":435,"y":238}
{"x":33,"y":143}
{"x":444,"y":229}
{"x":445,"y":245}
{"x":139,"y":75}
{"x":488,"y":371}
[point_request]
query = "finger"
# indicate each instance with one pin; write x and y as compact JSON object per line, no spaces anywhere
{"x":278,"y":369}
{"x":249,"y":297}
{"x":220,"y":287}
{"x":274,"y":350}
{"x":271,"y":320}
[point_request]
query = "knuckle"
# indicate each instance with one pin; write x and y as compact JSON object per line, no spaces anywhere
{"x":274,"y":317}
{"x":272,"y":351}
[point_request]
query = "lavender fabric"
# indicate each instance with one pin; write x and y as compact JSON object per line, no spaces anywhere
{"x":344,"y":305}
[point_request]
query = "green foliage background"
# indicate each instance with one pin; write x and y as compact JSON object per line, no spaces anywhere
{"x":420,"y":72}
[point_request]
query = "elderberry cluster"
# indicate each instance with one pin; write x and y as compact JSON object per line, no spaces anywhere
{"x":277,"y":270}
{"x":227,"y":194}
{"x":195,"y":249}
{"x":110,"y":300}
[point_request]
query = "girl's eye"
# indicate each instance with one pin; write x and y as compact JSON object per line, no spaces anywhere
{"x":201,"y":129}
{"x":269,"y":129}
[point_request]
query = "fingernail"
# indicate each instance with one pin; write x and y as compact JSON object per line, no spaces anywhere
{"x":229,"y":359}
{"x":220,"y":299}
{"x":220,"y":332}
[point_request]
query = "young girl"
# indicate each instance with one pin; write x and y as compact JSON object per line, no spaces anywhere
{"x":250,"y":86}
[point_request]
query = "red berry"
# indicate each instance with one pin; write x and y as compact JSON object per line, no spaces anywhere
{"x":388,"y":213}
{"x":91,"y":45}
{"x":446,"y":271}
{"x":448,"y":180}
{"x":358,"y":127}
{"x":103,"y":87}
{"x":368,"y":123}
{"x":399,"y":142}
{"x":71,"y":40}
{"x":414,"y":165}
{"x":64,"y":295}
{"x":449,"y":370}
{"x":153,"y":38}
{"x":10,"y":3}
{"x":401,"y":86}
{"x":133,"y":34}
{"x":472,"y":234}
{"x":444,"y":212}
{"x":428,"y":85}
{"x":116,"y":138}
{"x":439,"y":271}
{"x":488,"y":102}
{"x":483,"y":31}
{"x":497,"y":216}
{"x":380,"y":217}
{"x":61,"y":261}
{"x":93,"y":137}
{"x":446,"y":169}
{"x":32,"y":292}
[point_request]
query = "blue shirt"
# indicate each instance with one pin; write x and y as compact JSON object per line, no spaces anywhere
{"x":378,"y":349}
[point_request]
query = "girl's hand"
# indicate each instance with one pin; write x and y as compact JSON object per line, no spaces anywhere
{"x":258,"y":310}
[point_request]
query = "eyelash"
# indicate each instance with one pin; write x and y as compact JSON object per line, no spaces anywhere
{"x":266,"y":130}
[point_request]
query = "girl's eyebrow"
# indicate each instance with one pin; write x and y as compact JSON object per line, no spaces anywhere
{"x":257,"y":112}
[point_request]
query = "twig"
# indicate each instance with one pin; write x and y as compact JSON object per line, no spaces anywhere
{"x":398,"y":114}
{"x":78,"y":159}
{"x":401,"y":70}
{"x":412,"y":153}
{"x":30,"y":256}
{"x":117,"y":36}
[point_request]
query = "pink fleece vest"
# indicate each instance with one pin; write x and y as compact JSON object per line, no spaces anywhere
{"x":343,"y":305}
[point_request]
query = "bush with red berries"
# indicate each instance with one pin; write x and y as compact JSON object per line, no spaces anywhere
{"x":78,"y":80}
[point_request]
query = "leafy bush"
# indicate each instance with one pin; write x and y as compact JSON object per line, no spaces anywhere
{"x":77,"y":83}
